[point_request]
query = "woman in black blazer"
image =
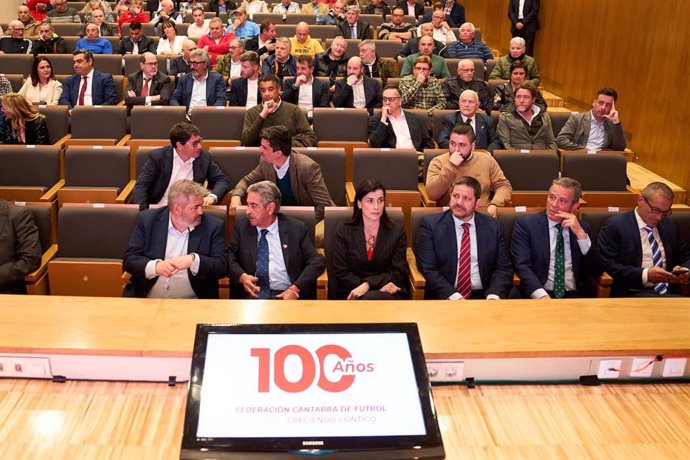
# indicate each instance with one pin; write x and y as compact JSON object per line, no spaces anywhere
{"x":22,"y":124}
{"x":369,"y":250}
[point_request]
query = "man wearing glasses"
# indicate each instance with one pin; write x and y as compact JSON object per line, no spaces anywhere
{"x":396,"y":128}
{"x":641,"y":250}
{"x":15,"y":43}
{"x":182,"y":159}
{"x":148,"y":86}
{"x":199,"y":87}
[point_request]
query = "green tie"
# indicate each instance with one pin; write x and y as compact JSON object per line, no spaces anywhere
{"x":559,"y":269}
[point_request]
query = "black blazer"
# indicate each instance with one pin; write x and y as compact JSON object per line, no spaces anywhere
{"x":319,"y":92}
{"x":160,"y":85}
{"x":215,"y":90}
{"x":302,"y":261}
{"x":344,"y":97}
{"x":238,"y":93}
{"x":383,"y":136}
{"x":155,"y":176}
{"x":145,"y":44}
{"x":620,"y":247}
{"x":179,"y":66}
{"x":418,"y":8}
{"x":364,"y":31}
{"x":485,"y":133}
{"x":148,"y":243}
{"x":351,"y":267}
{"x":530,"y":15}
{"x":531,"y":253}
{"x":436,"y":250}
{"x":36,"y":132}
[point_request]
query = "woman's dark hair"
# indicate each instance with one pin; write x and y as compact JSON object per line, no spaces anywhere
{"x":34,"y":69}
{"x":365,"y":187}
{"x":165,"y":24}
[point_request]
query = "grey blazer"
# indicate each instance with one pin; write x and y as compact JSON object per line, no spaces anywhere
{"x":575,"y":133}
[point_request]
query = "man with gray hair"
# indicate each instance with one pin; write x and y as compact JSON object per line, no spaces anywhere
{"x":15,"y":43}
{"x":177,"y":251}
{"x":551,"y":250}
{"x":271,"y":255}
{"x":466,"y":47}
{"x":281,"y":63}
{"x":353,"y":27}
{"x":642,"y":250}
{"x":465,"y":80}
{"x":483,"y":125}
{"x":199,"y":87}
{"x":517,"y":53}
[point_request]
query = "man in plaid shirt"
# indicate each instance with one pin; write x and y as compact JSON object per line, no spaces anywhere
{"x":421,"y":90}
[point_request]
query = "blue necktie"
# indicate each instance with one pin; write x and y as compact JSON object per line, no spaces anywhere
{"x":262,"y":266}
{"x":659,"y":288}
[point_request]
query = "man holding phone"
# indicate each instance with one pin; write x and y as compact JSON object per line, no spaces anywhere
{"x":642,"y":250}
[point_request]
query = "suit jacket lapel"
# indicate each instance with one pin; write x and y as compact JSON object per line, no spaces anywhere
{"x":634,"y":235}
{"x":195,"y":238}
{"x":284,"y":242}
{"x":667,"y":243}
{"x":167,"y":165}
{"x":452,"y":242}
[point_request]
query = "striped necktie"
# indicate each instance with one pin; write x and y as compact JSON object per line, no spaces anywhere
{"x":659,"y":288}
{"x":464,"y":286}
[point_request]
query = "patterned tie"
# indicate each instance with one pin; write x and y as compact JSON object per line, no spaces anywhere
{"x":464,"y":286}
{"x":145,"y":88}
{"x":559,"y":268}
{"x":659,"y":288}
{"x":83,"y":91}
{"x":262,"y":266}
{"x":353,"y":33}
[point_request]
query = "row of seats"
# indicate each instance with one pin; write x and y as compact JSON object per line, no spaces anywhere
{"x":77,"y":260}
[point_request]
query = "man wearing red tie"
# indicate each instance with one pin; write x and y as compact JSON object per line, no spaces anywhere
{"x":87,"y":86}
{"x":462,"y":253}
{"x":148,"y":86}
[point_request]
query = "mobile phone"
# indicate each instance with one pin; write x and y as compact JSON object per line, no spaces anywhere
{"x":681,"y":271}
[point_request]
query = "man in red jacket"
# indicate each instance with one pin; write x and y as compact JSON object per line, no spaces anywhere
{"x":217,"y":41}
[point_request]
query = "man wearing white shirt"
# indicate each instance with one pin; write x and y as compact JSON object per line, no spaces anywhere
{"x":357,"y":90}
{"x":442,"y":31}
{"x":244,"y":91}
{"x":304,"y":90}
{"x":199,"y":25}
{"x":176,"y":251}
{"x":229,"y":65}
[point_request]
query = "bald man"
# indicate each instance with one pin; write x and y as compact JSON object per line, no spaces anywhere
{"x":357,"y":90}
{"x":302,"y":43}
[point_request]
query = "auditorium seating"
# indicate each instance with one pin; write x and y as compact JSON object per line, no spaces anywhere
{"x":44,"y":214}
{"x":339,"y":127}
{"x":219,"y":126}
{"x":98,"y":125}
{"x":332,"y":163}
{"x":29,"y":172}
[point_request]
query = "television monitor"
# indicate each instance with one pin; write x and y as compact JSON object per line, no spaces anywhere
{"x":336,"y":391}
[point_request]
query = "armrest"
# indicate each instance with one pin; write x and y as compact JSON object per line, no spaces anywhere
{"x":124,"y":140}
{"x":426,"y":199}
{"x":349,"y":193}
{"x":126,"y":193}
{"x":322,"y":281}
{"x":61,"y":143}
{"x":417,"y":279}
{"x":51,"y":194}
{"x":45,"y":258}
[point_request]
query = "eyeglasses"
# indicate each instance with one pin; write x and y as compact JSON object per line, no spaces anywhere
{"x":196,"y":142}
{"x":151,"y":63}
{"x":656,"y":210}
{"x":193,"y":63}
{"x":391,"y":99}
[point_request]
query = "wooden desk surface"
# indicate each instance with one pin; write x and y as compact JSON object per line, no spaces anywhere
{"x":117,"y":420}
{"x":509,"y":328}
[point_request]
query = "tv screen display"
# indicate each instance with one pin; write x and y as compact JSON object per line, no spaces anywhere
{"x":339,"y":391}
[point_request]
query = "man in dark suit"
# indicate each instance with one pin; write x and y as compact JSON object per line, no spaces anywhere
{"x":598,"y":129}
{"x":148,"y":86}
{"x":270,"y":255}
{"x":483,"y":125}
{"x":641,"y":250}
{"x":396,"y":128}
{"x":183,"y":159}
{"x":293,"y":88}
{"x":180,"y":65}
{"x":356,"y":90}
{"x":198,"y":78}
{"x":137,"y":42}
{"x":453,"y":87}
{"x":20,"y":249}
{"x":249,"y":77}
{"x":353,"y":27}
{"x":176,"y":251}
{"x":412,"y":6}
{"x":551,"y":250}
{"x":462,"y":253}
{"x":524,"y":22}
{"x":87,"y":86}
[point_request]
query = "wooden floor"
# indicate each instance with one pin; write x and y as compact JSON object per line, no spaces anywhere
{"x":97,"y":420}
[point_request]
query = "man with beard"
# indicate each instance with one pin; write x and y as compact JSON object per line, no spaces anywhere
{"x":527,"y":126}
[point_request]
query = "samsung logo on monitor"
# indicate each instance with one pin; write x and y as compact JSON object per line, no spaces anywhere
{"x":312,"y":443}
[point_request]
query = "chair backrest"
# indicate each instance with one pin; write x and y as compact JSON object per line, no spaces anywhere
{"x":417,"y":214}
{"x":490,"y":64}
{"x":15,"y":79}
{"x":595,"y":219}
{"x":558,"y":120}
{"x":303,"y":213}
{"x":36,"y":166}
{"x":221,"y":212}
{"x":219,"y":122}
{"x":96,"y":166}
{"x":100,"y":231}
{"x":430,"y":154}
{"x":68,"y":28}
{"x":236,"y":162}
{"x":147,"y":28}
{"x":396,"y":169}
{"x":682,"y":220}
{"x":154,"y":122}
{"x":339,"y":124}
{"x":108,"y":63}
{"x":508,"y":219}
{"x":16,"y":63}
{"x":62,"y":64}
{"x":388,"y":48}
{"x":57,"y":119}
{"x":120,"y":83}
{"x":600,"y":172}
{"x":529,"y":171}
{"x":99,"y":122}
{"x":332,"y":217}
{"x":43,"y":214}
{"x":437,"y":121}
{"x":332,"y":163}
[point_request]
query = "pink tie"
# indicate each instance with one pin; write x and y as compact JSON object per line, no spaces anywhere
{"x":464,"y":286}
